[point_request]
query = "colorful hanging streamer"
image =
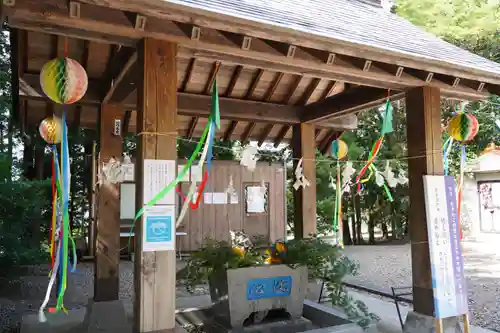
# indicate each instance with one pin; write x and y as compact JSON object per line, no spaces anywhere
{"x":386,"y":128}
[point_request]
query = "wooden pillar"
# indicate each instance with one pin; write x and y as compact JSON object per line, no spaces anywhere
{"x":423,"y":119}
{"x":157,"y":113}
{"x":304,"y":199}
{"x":107,"y":256}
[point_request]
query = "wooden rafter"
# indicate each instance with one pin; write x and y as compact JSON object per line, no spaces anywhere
{"x":317,"y":132}
{"x":191,"y":128}
{"x":265,"y":133}
{"x":273,"y":87}
{"x":248,"y":131}
{"x":281,"y":135}
{"x":306,"y":96}
{"x":350,"y":101}
{"x":229,"y":131}
{"x":253,"y":85}
{"x":126,"y":122}
{"x":234,"y":79}
{"x":292,"y":89}
{"x":325,"y":143}
{"x":228,"y":93}
{"x":115,"y":78}
{"x":211,"y":79}
{"x":189,"y":74}
{"x":332,"y":85}
{"x":108,"y":23}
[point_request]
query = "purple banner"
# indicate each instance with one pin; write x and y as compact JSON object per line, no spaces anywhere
{"x":455,"y":247}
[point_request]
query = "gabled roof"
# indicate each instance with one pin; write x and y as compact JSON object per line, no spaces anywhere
{"x":352,"y":21}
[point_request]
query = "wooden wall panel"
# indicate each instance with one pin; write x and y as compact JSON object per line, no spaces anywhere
{"x":215,"y":221}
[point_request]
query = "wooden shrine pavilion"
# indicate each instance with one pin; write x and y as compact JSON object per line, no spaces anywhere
{"x":288,"y":70}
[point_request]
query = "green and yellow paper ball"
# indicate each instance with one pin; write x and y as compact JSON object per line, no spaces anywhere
{"x":64,"y":80}
{"x":51,"y":130}
{"x":339,"y":149}
{"x":463,"y":127}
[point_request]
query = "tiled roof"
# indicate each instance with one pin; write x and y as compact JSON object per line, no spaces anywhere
{"x":354,"y":21}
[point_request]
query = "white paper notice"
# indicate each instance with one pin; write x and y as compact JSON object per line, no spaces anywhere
{"x":186,"y":176}
{"x":128,"y":172}
{"x":157,"y":175}
{"x":208,"y":198}
{"x":233,"y":198}
{"x":219,"y":198}
{"x":158,"y":232}
{"x":255,"y":199}
{"x":196,"y":173}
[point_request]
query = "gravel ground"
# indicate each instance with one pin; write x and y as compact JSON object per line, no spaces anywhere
{"x":381,"y":267}
{"x":386,"y":266}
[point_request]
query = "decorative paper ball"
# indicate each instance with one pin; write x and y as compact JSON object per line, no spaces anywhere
{"x":51,"y":130}
{"x":339,"y":149}
{"x":463,"y":127}
{"x":64,"y":80}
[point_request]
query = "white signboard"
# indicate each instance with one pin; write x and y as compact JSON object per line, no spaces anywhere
{"x":449,"y":288}
{"x":158,"y":231}
{"x":157,"y":175}
{"x":219,"y":198}
{"x":127,"y":201}
{"x":208,"y":198}
{"x":256,"y":199}
{"x":128,"y":172}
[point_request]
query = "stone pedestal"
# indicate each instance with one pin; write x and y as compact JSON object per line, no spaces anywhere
{"x":419,"y":323}
{"x":59,"y":322}
{"x":107,"y":317}
{"x":237,"y":293}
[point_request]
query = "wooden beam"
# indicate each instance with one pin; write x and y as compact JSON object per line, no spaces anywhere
{"x":34,"y":15}
{"x":229,"y":131}
{"x":189,"y":74}
{"x":211,"y":79}
{"x":154,"y":275}
{"x":292,"y":89}
{"x":126,"y":122}
{"x":107,"y":256}
{"x":265,"y":133}
{"x":325,"y":143}
{"x":306,"y":96}
{"x":232,"y":82}
{"x":192,"y":127}
{"x":304,"y":199}
{"x":274,"y":86}
{"x":247,"y":132}
{"x":350,"y":101}
{"x":423,"y":119}
{"x":122,"y":85}
{"x":253,"y":85}
{"x":281,"y":135}
{"x":330,"y":89}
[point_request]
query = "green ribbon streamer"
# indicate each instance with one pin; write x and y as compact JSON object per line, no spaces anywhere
{"x":387,"y":123}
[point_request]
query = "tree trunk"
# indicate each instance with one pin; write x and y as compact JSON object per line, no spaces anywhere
{"x":359,"y":235}
{"x":394,"y":233}
{"x":28,"y":160}
{"x":355,"y":239}
{"x":371,"y":229}
{"x":10,"y":145}
{"x":385,"y":231}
